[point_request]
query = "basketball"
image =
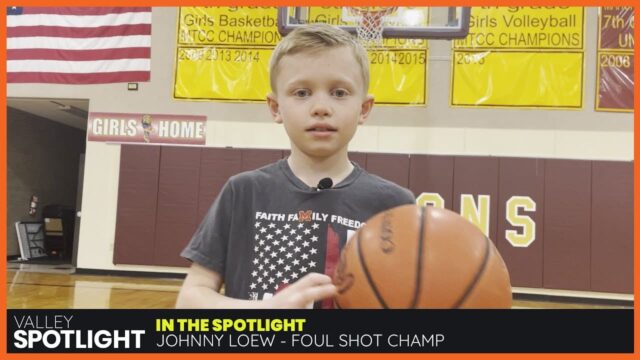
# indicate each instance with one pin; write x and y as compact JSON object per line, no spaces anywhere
{"x":420,"y":257}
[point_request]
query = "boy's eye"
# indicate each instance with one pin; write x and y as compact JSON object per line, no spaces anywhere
{"x":340,"y":93}
{"x":302,"y":93}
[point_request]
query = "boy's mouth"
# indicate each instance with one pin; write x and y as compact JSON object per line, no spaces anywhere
{"x":321,"y":128}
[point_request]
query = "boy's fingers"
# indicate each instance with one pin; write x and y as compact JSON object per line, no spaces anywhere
{"x":312,"y":279}
{"x":320,"y":292}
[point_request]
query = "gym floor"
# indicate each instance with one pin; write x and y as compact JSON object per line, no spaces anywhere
{"x":31,"y":286}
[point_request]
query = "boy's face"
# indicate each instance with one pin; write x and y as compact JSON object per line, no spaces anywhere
{"x":320,"y":99}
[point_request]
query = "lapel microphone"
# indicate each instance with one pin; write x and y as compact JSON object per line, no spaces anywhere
{"x":324,"y":184}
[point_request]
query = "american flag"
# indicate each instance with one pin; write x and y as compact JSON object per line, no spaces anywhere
{"x":286,"y":251}
{"x":82,"y":45}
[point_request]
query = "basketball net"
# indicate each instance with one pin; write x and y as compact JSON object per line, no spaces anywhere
{"x":369,"y":28}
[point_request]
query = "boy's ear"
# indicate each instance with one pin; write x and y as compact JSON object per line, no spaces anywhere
{"x":367,"y":105}
{"x":274,"y":108}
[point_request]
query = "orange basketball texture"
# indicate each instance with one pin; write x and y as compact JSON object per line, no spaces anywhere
{"x":412,"y":257}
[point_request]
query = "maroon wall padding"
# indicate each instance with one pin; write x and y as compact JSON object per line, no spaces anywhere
{"x":393,"y":167}
{"x":434,"y":174}
{"x":477,"y":176}
{"x":216,"y":167}
{"x":584,"y":209}
{"x":521,"y":177}
{"x":612,"y":226}
{"x":359,"y":158}
{"x":256,"y":158}
{"x":178,"y":187}
{"x":567,"y":224}
{"x":137,"y":204}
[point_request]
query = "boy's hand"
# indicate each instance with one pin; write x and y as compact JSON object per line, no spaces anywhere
{"x":309,"y":289}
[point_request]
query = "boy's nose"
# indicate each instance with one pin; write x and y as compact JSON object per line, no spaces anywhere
{"x":321,"y":109}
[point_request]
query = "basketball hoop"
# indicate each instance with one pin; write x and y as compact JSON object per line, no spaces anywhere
{"x":369,"y":28}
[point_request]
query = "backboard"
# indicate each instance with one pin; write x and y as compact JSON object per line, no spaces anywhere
{"x":397,"y":22}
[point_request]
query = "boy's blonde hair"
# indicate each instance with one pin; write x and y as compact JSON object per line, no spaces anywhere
{"x":317,"y":37}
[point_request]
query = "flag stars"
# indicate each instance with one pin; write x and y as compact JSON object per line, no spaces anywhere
{"x":300,"y":226}
{"x":313,"y":251}
{"x":312,"y":264}
{"x":264,"y":287}
{"x":263,"y":230}
{"x":314,"y":238}
{"x":269,"y":236}
{"x":303,"y":269}
{"x":274,"y":254}
{"x":272,"y":225}
{"x":296,"y":262}
{"x":287,"y":268}
{"x":271,"y":280}
{"x":257,"y":224}
{"x":293,"y":231}
{"x":287,"y":226}
{"x":297,"y":249}
{"x":272,"y":267}
{"x":305,"y":244}
{"x":289,"y":255}
{"x":255,"y":261}
{"x":252,"y":286}
{"x":254,"y":273}
{"x":305,"y":256}
{"x":278,"y":231}
{"x":294,"y":275}
{"x":280,"y":261}
{"x":299,"y":237}
{"x":315,"y":226}
{"x":279,"y":274}
{"x":307,"y":231}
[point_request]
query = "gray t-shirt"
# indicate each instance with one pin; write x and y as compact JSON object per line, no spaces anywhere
{"x":267,"y":228}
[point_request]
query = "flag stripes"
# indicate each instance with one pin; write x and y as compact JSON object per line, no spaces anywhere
{"x":84,"y":45}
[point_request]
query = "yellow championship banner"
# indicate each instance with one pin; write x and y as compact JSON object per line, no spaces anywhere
{"x":496,"y":79}
{"x":336,"y":16}
{"x":510,"y":52}
{"x":223,"y":54}
{"x":398,"y":76}
{"x":530,"y":27}
{"x":221,"y":73}
{"x":228,"y":26}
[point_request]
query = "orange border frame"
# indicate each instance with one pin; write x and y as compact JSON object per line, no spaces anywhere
{"x":3,"y":180}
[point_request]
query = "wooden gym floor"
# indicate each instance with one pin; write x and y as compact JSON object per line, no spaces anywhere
{"x":57,"y":287}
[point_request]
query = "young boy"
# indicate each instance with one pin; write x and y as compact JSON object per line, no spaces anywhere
{"x":273,"y":235}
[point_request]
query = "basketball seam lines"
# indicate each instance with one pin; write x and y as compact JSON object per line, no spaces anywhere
{"x":473,"y":284}
{"x":368,"y":275}
{"x":419,"y":263}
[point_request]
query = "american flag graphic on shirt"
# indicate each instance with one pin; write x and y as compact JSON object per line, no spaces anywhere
{"x":284,"y":251}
